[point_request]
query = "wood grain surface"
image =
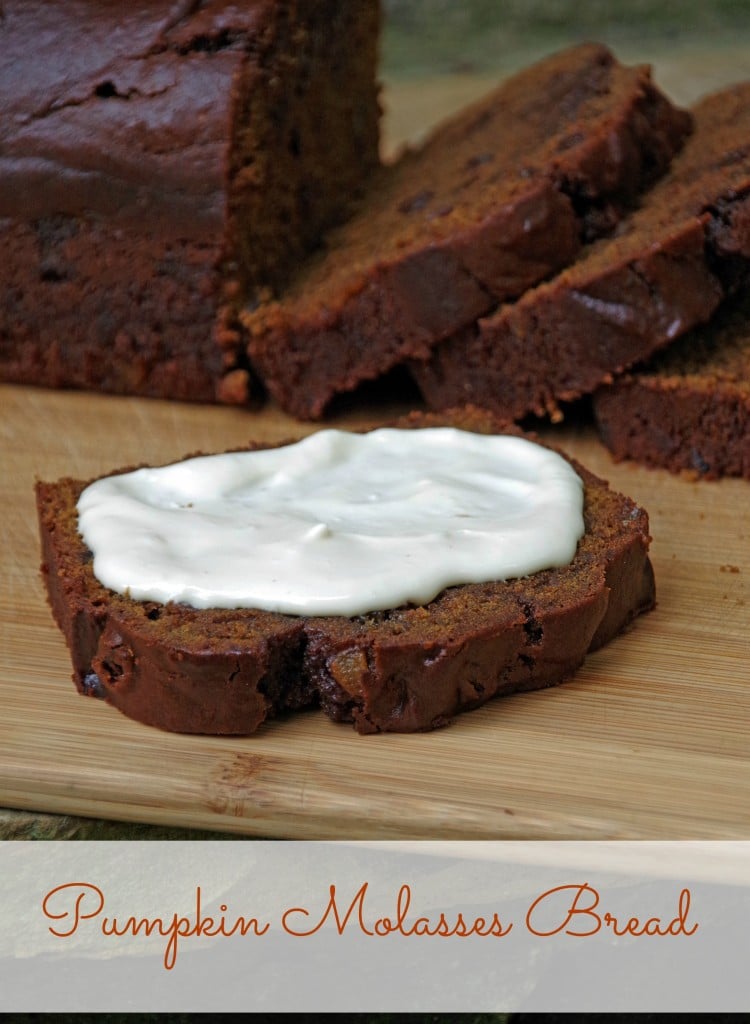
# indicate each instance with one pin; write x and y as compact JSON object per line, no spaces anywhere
{"x":650,"y":740}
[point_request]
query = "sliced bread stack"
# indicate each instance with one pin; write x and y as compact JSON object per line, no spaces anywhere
{"x":538,"y":248}
{"x":666,"y":269}
{"x":498,"y":199}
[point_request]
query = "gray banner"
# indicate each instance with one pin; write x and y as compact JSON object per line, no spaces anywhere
{"x":424,"y":927}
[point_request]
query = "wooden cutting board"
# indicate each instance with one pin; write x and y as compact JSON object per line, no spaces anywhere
{"x":651,"y":739}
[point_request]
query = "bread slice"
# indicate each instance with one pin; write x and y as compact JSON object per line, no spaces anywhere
{"x":667,"y":269}
{"x":498,"y":198}
{"x":407,"y":669}
{"x":689,"y":409}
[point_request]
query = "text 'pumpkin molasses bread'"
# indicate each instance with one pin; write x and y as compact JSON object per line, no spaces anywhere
{"x":497,"y":198}
{"x":409,"y":668}
{"x":666,"y":269}
{"x":160,"y":160}
{"x":689,"y":409}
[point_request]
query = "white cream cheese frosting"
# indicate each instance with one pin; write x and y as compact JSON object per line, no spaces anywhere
{"x":335,"y":524}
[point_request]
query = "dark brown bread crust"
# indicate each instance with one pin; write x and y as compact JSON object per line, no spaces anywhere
{"x":159,"y":162}
{"x":404,"y":670}
{"x":667,"y":269}
{"x":689,"y":410}
{"x":497,"y":199}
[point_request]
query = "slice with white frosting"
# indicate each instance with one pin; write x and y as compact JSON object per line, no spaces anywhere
{"x":184,"y":659}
